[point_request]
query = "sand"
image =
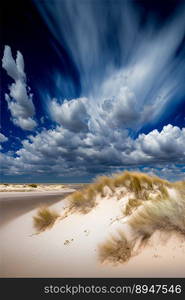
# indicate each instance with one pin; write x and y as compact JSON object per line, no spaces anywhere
{"x":70,"y":247}
{"x":35,"y":187}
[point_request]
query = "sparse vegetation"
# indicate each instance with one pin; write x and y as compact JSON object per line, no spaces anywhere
{"x":163,"y":191}
{"x":121,"y":179}
{"x":160,"y":214}
{"x":131,"y":205}
{"x":140,"y":184}
{"x":33,"y":185}
{"x":45,"y":218}
{"x":115,"y":249}
{"x":155,"y":204}
{"x":83,"y":200}
{"x":135,"y":186}
{"x":152,"y":204}
{"x":78,"y":199}
{"x":98,"y":187}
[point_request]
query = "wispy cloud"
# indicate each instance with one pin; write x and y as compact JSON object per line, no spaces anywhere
{"x":130,"y":77}
{"x":116,"y":56}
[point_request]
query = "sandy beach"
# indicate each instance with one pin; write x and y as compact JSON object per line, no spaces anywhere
{"x":70,"y":247}
{"x":92,"y":141}
{"x":14,"y":204}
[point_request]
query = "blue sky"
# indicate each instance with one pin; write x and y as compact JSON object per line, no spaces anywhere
{"x":92,"y":87}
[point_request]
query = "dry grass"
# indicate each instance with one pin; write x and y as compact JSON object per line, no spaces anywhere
{"x":45,"y":218}
{"x":121,"y":179}
{"x":163,"y":192}
{"x":140,"y":184}
{"x":166,"y":214}
{"x":106,"y":181}
{"x":180,"y":185}
{"x":156,"y":204}
{"x":32,"y":185}
{"x":115,"y":250}
{"x":135,"y":186}
{"x":162,"y":207}
{"x":131,"y":205}
{"x":83,"y":200}
{"x":98,"y":187}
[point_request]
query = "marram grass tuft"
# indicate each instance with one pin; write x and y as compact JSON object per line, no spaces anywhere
{"x":45,"y":218}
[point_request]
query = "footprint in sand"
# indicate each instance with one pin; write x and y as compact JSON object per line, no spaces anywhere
{"x":156,"y":256}
{"x":67,"y":242}
{"x":86,"y":232}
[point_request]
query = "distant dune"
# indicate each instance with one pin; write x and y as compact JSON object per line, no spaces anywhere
{"x":36,"y":187}
{"x":127,"y":225}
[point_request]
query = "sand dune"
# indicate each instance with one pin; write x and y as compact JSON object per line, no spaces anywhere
{"x":71,"y":247}
{"x":32,"y":187}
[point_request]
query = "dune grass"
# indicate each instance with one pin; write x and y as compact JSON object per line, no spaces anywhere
{"x":140,"y":184}
{"x":155,"y":204}
{"x":131,"y":205}
{"x":85,"y":199}
{"x":45,"y":218}
{"x":79,"y":201}
{"x":115,"y":249}
{"x":32,"y":185}
{"x":163,"y":214}
{"x":162,"y":209}
{"x":180,"y":186}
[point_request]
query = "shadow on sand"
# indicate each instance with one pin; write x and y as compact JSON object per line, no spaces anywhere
{"x":14,"y":207}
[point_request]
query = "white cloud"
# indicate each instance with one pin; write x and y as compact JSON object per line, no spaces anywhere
{"x":3,"y":138}
{"x":128,"y":85}
{"x":71,"y":114}
{"x":62,"y":152}
{"x":146,"y":56}
{"x":165,"y":145}
{"x":19,"y":99}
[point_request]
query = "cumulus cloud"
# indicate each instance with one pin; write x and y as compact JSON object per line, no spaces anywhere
{"x":71,"y":114}
{"x":165,"y":145}
{"x":19,"y":98}
{"x":168,"y":171}
{"x":63,"y":152}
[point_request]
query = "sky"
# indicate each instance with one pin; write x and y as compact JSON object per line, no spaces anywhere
{"x":92,"y":87}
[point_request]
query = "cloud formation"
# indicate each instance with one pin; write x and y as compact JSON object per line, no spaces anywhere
{"x":71,"y":114}
{"x":111,"y":49}
{"x":167,"y":145}
{"x":3,"y":138}
{"x":63,"y":152}
{"x":19,"y":98}
{"x":130,"y":77}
